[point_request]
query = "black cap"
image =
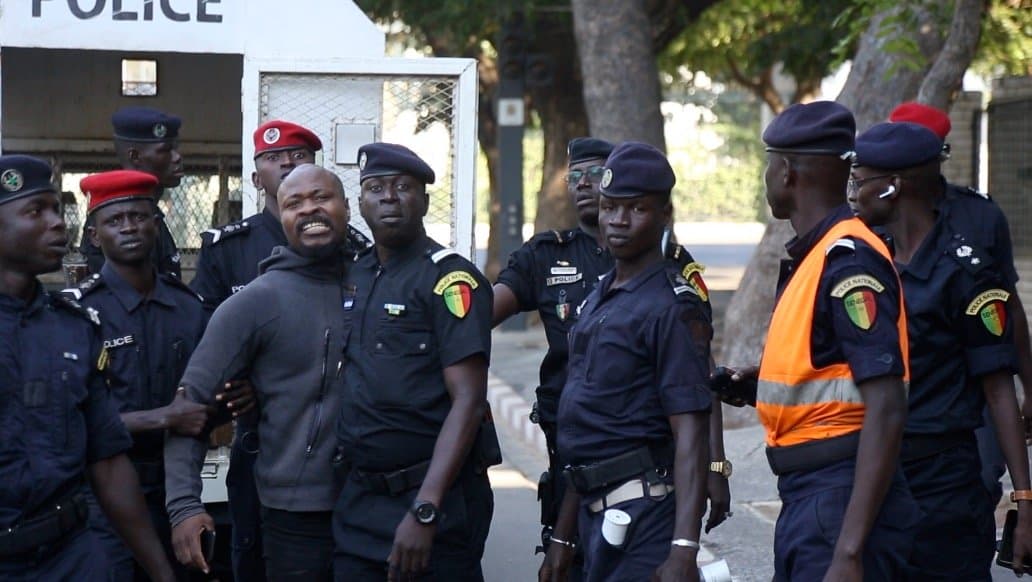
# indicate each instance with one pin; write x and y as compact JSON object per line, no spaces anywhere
{"x":635,"y":169}
{"x":22,"y":176}
{"x":821,"y":127}
{"x":143,"y":124}
{"x":587,"y":148}
{"x":896,"y":146}
{"x":389,"y":159}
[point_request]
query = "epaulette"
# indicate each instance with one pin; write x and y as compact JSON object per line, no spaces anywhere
{"x":841,"y":245}
{"x":438,"y":256}
{"x":85,"y":287}
{"x":358,"y":241}
{"x":973,"y":259}
{"x":178,"y":283}
{"x":559,"y":237}
{"x":968,"y":190}
{"x":226,"y":231}
{"x":74,"y":306}
{"x":680,"y":284}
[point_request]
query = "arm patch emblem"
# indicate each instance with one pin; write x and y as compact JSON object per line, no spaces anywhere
{"x":849,"y":283}
{"x":452,"y":278}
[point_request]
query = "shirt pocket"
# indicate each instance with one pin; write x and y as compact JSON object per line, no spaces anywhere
{"x":404,"y":354}
{"x":64,"y":401}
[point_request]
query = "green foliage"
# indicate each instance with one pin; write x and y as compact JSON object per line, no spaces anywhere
{"x":1006,"y":46}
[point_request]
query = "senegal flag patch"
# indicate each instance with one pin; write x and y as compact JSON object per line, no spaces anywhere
{"x":990,"y":306}
{"x":456,"y":289}
{"x":861,"y":308}
{"x":692,"y":273}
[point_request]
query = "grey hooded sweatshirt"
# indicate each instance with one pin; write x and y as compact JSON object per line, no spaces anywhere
{"x":285,"y":332}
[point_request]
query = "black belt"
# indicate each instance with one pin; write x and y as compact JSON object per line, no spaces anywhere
{"x":46,"y":528}
{"x":812,"y":455}
{"x":394,"y":482}
{"x":644,"y":461}
{"x":920,"y":446}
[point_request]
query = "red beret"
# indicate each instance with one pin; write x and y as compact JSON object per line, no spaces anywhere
{"x":276,"y":135}
{"x":117,"y":186}
{"x":930,"y":117}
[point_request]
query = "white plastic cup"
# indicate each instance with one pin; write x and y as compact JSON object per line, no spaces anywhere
{"x":715,"y":572}
{"x":614,"y":526}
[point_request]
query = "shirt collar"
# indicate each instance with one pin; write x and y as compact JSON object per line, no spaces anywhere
{"x":924,"y":260}
{"x":129,"y":297}
{"x":800,"y":245}
{"x":417,"y":248}
{"x":274,"y":226}
{"x":635,"y":283}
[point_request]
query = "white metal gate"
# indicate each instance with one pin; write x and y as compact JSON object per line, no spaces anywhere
{"x":428,"y":105}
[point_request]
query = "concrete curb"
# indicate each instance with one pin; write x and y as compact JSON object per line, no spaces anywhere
{"x":512,"y":409}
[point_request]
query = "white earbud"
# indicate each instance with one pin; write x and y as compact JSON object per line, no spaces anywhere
{"x":888,"y":192}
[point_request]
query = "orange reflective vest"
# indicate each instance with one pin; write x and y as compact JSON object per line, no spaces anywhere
{"x":796,"y":402}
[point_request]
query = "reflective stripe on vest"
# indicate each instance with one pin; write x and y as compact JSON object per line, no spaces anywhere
{"x":796,"y":402}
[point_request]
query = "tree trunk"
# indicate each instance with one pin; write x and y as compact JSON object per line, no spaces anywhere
{"x":614,"y":39}
{"x":871,"y":93}
{"x":560,"y":106}
{"x":944,"y":79}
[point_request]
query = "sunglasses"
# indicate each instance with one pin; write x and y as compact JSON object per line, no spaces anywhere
{"x":573,"y":177}
{"x":855,"y":184}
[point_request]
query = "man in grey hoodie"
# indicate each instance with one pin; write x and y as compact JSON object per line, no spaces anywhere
{"x":285,"y":331}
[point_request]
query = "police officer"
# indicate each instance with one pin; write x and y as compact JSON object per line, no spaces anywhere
{"x":151,"y":324}
{"x":229,"y":260}
{"x":831,"y":389}
{"x":553,"y":273}
{"x":634,"y":414}
{"x":416,"y":499}
{"x":146,"y":140}
{"x":283,"y":331}
{"x":57,"y":422}
{"x":962,"y":356}
{"x":983,"y":223}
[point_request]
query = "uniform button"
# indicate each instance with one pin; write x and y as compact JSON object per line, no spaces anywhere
{"x":379,"y":346}
{"x":422,"y":346}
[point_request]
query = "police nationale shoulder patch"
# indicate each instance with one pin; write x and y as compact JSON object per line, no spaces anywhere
{"x":454,"y":277}
{"x":692,"y":272}
{"x":861,"y":307}
{"x":457,"y":298}
{"x":855,"y":282}
{"x":991,"y":307}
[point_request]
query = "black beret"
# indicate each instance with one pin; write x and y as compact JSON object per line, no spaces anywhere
{"x":22,"y":176}
{"x":143,"y":124}
{"x":635,"y":169}
{"x":390,"y":159}
{"x":895,"y":146}
{"x":587,"y":148}
{"x":821,"y":127}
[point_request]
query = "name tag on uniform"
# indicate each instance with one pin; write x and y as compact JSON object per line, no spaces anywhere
{"x":348,"y":301}
{"x":563,"y":279}
{"x":564,"y":270}
{"x":236,"y":288}
{"x":71,"y":356}
{"x":119,"y":342}
{"x":394,"y":309}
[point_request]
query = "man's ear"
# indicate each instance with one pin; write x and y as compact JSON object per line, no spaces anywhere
{"x":254,"y":181}
{"x":133,"y":155}
{"x":789,"y":175}
{"x":426,"y":203}
{"x":91,"y":231}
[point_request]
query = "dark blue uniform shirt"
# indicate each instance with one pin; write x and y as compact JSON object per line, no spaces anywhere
{"x":983,"y":224}
{"x":553,"y":273}
{"x":55,"y":413}
{"x":638,"y":355}
{"x":165,"y":254}
{"x":149,"y":341}
{"x":403,"y":333}
{"x":958,"y":331}
{"x":835,"y":337}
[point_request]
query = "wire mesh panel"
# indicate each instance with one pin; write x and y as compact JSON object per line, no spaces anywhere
{"x":415,"y":111}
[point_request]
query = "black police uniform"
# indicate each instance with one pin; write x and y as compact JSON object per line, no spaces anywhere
{"x":165,"y":255}
{"x":816,"y":500}
{"x":426,"y":309}
{"x":636,"y":358}
{"x":149,"y":340}
{"x":56,"y":417}
{"x":958,"y":331}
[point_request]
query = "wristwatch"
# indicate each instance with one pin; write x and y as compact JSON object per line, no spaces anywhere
{"x":721,"y":467}
{"x":425,"y":512}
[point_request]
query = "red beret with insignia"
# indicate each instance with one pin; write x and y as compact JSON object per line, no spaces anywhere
{"x":921,"y":114}
{"x":117,"y":186}
{"x":277,"y":135}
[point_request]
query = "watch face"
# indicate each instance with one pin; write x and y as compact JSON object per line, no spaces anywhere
{"x":425,"y":513}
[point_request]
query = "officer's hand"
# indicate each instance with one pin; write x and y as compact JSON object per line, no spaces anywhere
{"x":237,"y":396}
{"x":719,"y":492}
{"x":411,"y":552}
{"x":1023,"y":538}
{"x":556,"y":565}
{"x":185,"y":416}
{"x":845,"y":569}
{"x":186,"y":540}
{"x":736,"y":387}
{"x":680,"y":566}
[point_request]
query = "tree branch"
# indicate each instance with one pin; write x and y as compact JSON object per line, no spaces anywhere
{"x":947,"y":72}
{"x":762,"y":88}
